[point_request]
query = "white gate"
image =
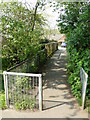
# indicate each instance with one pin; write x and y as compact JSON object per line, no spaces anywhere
{"x":23,"y":87}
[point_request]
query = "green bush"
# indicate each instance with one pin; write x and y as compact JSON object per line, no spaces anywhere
{"x":75,"y":24}
{"x":25,"y":104}
{"x":19,"y":95}
{"x":2,"y":101}
{"x":19,"y":42}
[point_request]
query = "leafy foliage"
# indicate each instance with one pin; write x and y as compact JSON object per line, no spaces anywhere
{"x":19,"y":41}
{"x":25,"y":104}
{"x":2,"y":101}
{"x":20,"y":94}
{"x":75,"y":24}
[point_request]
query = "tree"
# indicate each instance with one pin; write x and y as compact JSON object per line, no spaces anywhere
{"x":19,"y":42}
{"x":75,"y":24}
{"x":39,"y":4}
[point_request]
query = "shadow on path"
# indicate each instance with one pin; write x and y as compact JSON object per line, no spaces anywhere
{"x":56,"y":91}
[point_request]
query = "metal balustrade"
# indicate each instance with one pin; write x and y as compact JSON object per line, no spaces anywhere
{"x":23,"y":88}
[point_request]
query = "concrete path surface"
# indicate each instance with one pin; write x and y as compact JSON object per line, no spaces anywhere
{"x":58,"y":102}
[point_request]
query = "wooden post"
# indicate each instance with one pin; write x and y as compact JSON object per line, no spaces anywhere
{"x":40,"y":93}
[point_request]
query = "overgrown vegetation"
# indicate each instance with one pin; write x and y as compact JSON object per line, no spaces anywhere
{"x":21,"y":94}
{"x":20,"y":37}
{"x":21,"y":29}
{"x":2,"y":101}
{"x":75,"y":24}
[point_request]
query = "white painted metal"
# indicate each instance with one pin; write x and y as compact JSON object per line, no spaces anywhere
{"x":22,"y":74}
{"x":5,"y":73}
{"x":40,"y":93}
{"x":84,"y":78}
{"x":6,"y":87}
{"x":7,"y":102}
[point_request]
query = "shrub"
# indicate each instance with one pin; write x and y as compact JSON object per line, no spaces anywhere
{"x":75,"y":24}
{"x":2,"y":101}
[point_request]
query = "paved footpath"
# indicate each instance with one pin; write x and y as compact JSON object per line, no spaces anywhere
{"x":58,"y":102}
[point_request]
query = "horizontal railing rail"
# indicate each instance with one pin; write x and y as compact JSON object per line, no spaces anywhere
{"x":11,"y":68}
{"x":22,"y":74}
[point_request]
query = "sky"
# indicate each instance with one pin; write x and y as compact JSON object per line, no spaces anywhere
{"x":51,"y":17}
{"x":47,"y":13}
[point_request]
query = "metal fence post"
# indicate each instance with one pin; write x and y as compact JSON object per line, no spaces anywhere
{"x":6,"y":87}
{"x":40,"y":93}
{"x":84,"y":78}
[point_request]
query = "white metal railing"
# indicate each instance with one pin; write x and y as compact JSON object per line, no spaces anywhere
{"x":84,"y":78}
{"x":22,"y":86}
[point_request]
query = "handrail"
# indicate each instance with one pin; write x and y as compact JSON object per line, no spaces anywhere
{"x":22,"y":74}
{"x":21,"y":63}
{"x":17,"y":65}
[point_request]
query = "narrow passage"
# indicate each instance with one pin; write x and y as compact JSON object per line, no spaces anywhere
{"x":58,"y":102}
{"x":57,"y":95}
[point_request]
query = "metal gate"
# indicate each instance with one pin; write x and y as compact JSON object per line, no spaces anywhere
{"x":23,"y":88}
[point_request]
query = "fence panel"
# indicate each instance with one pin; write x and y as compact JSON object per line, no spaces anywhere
{"x":23,"y":90}
{"x":51,"y":48}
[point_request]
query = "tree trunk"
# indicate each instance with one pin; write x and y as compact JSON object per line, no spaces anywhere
{"x":35,"y":13}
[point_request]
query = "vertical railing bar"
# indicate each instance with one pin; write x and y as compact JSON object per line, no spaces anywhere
{"x":5,"y":85}
{"x":33,"y":88}
{"x":15,"y":88}
{"x":19,"y":88}
{"x":4,"y":75}
{"x":40,"y":93}
{"x":27,"y":87}
{"x":9,"y":88}
{"x":36,"y":86}
{"x":30,"y":87}
{"x":24,"y":87}
{"x":36,"y":90}
{"x":12,"y":90}
{"x":7,"y":103}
